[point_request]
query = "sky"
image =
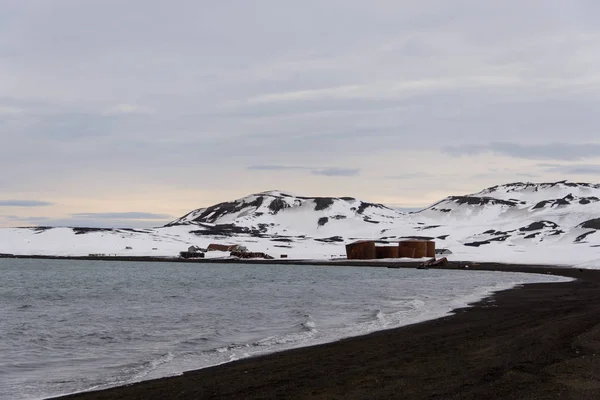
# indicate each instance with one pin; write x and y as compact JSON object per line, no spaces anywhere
{"x":132,"y":113}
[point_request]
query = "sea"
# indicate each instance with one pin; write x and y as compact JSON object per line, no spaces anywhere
{"x":68,"y":326}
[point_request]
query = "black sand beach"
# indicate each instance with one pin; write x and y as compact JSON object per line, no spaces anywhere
{"x":539,"y":341}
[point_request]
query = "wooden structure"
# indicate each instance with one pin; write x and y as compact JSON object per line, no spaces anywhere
{"x":361,"y":250}
{"x":367,"y":250}
{"x":222,"y":247}
{"x":420,"y":247}
{"x":431,"y":249}
{"x":386,"y":251}
{"x":406,"y":252}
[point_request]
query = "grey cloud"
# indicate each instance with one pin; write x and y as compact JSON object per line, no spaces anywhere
{"x":26,"y":219}
{"x":337,"y":172}
{"x":122,"y":215}
{"x":24,"y":203}
{"x":551,"y":151}
{"x":410,"y":176}
{"x":84,"y":222}
{"x":576,"y":169}
{"x":312,"y":170}
{"x":278,"y":84}
{"x":276,"y":168}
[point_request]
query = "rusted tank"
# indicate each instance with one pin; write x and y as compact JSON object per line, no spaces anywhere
{"x":431,"y":249}
{"x":386,"y":251}
{"x":419,"y":246}
{"x":361,"y":250}
{"x":406,"y":252}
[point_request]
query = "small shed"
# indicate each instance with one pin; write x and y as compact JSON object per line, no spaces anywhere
{"x":361,"y":250}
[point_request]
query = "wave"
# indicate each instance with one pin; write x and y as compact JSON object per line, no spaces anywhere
{"x":146,"y":368}
{"x":309,"y":325}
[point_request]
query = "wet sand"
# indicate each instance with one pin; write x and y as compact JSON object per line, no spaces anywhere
{"x":538,"y":341}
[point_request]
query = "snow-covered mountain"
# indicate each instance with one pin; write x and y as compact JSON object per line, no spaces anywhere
{"x":553,"y":223}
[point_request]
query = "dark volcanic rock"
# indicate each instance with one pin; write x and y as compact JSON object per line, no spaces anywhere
{"x":581,"y":237}
{"x":565,"y":201}
{"x":322,"y":221}
{"x":536,"y":226}
{"x":541,"y":204}
{"x":212,"y":214}
{"x":481,"y":201}
{"x":480,"y":243}
{"x":588,"y":200}
{"x":371,"y":221}
{"x":230,"y":230}
{"x":277,"y":205}
{"x":532,"y":236}
{"x":323,"y":203}
{"x":477,"y":244}
{"x":418,"y":237}
{"x":363,"y":206}
{"x":429,"y":227}
{"x":332,"y":239}
{"x":223,"y":229}
{"x":135,"y":230}
{"x":82,"y":231}
{"x":245,"y":254}
{"x":40,"y":229}
{"x":590,"y":224}
{"x":338,"y":217}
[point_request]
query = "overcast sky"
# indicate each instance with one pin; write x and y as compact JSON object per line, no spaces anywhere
{"x":134,"y":112}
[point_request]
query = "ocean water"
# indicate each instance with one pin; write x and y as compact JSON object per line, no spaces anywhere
{"x":69,"y":326}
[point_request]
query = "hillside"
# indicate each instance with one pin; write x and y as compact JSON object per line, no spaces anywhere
{"x":519,"y":222}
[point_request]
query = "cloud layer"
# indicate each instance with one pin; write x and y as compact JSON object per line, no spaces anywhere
{"x":182,"y":98}
{"x":24,"y":203}
{"x":123,"y":216}
{"x":348,"y":172}
{"x":543,"y":151}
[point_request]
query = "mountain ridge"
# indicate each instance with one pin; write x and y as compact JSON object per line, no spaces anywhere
{"x":517,"y":221}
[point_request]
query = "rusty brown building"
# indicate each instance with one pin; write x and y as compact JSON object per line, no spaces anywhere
{"x":367,"y":250}
{"x":386,"y":251}
{"x":361,"y":250}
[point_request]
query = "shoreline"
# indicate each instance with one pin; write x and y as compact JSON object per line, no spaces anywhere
{"x":342,"y":262}
{"x":534,"y":327}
